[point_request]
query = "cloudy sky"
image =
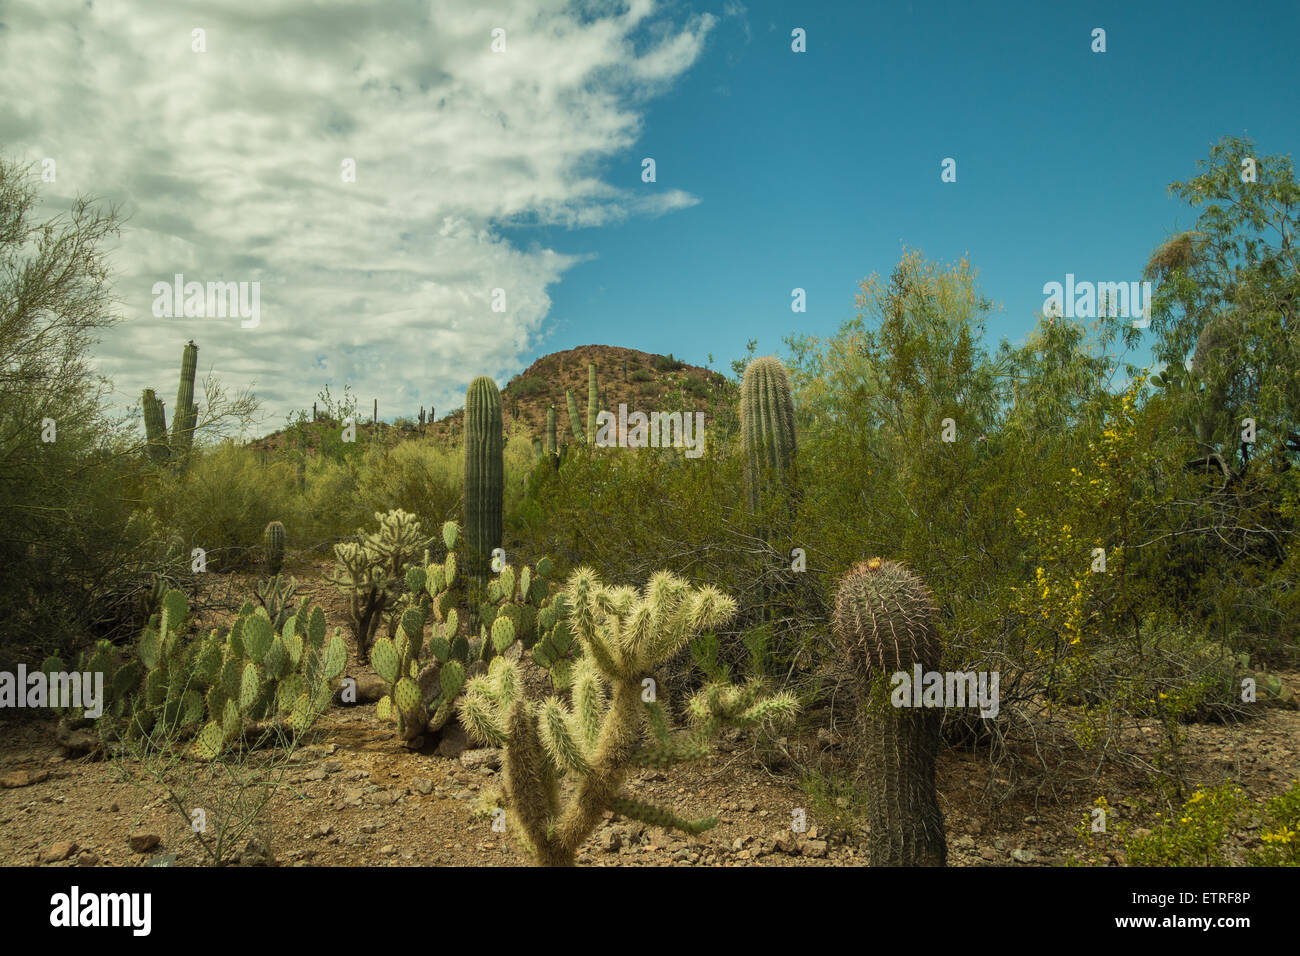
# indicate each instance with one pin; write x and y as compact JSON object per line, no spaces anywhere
{"x":520,"y":168}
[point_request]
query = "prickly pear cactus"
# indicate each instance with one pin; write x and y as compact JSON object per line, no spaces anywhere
{"x":884,"y":623}
{"x":520,"y":607}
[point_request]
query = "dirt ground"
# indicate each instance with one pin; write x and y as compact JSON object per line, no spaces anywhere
{"x":353,"y":796}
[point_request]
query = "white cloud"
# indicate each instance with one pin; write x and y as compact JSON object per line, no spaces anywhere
{"x":229,"y":163}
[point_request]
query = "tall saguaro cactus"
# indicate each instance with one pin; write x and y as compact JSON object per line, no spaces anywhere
{"x":484,"y":476}
{"x":552,"y":446}
{"x":587,"y":436}
{"x":767,"y":428}
{"x":155,"y":426}
{"x":884,"y":624}
{"x":592,"y":406}
{"x":185,"y":415}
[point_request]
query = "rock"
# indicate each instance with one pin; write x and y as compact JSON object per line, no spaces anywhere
{"x":422,"y":785}
{"x":453,"y":742}
{"x":384,"y":798}
{"x":613,"y":839}
{"x":814,"y":848}
{"x":316,"y":773}
{"x":76,"y":742}
{"x":256,"y":853}
{"x":333,"y":766}
{"x":323,"y":830}
{"x":370,"y":688}
{"x":88,"y":858}
{"x":388,"y":850}
{"x":58,"y":851}
{"x":23,"y":778}
{"x":143,"y":842}
{"x":749,"y":806}
{"x":478,"y":759}
{"x":964,"y":842}
{"x":1023,"y":856}
{"x":988,"y":853}
{"x":368,"y":828}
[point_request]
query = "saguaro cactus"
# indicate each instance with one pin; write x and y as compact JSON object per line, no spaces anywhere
{"x":273,"y":540}
{"x":884,"y":623}
{"x":592,"y":404}
{"x":484,"y":476}
{"x":552,"y":446}
{"x":155,"y":426}
{"x":767,"y":427}
{"x":185,"y":415}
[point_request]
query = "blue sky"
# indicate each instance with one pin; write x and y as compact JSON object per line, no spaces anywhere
{"x":519,"y":168}
{"x":814,"y":169}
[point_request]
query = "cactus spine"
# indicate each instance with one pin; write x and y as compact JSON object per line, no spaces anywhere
{"x":155,"y":427}
{"x":185,"y":415}
{"x":273,"y":539}
{"x":608,"y":727}
{"x":884,"y":624}
{"x":484,"y":476}
{"x":767,"y":428}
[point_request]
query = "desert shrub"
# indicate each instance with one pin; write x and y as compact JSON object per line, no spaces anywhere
{"x":419,"y":477}
{"x":223,"y":501}
{"x":640,"y":375}
{"x":526,"y":387}
{"x":666,"y":363}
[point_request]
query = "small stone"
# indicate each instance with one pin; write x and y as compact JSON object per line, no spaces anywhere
{"x":388,"y":850}
{"x":324,"y":830}
{"x":478,"y":759}
{"x":749,"y":806}
{"x":423,"y":785}
{"x":316,"y":773}
{"x":23,"y":778}
{"x":333,"y":766}
{"x":368,"y":828}
{"x":814,"y":848}
{"x":58,"y":851}
{"x":143,"y":842}
{"x":1023,"y":856}
{"x":453,"y":742}
{"x":88,"y":858}
{"x":988,"y":853}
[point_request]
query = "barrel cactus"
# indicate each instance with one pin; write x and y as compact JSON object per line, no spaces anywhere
{"x":767,"y":428}
{"x":484,"y":477}
{"x":884,"y":624}
{"x":273,"y":540}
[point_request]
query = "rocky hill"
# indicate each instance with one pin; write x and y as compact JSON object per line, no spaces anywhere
{"x":643,"y":380}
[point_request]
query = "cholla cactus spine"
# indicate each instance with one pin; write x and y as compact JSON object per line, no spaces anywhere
{"x":599,"y":737}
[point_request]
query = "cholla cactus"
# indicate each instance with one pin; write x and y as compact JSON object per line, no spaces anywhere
{"x":276,"y":595}
{"x":273,"y":541}
{"x":370,"y":571}
{"x":884,"y":624}
{"x":609,"y":727}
